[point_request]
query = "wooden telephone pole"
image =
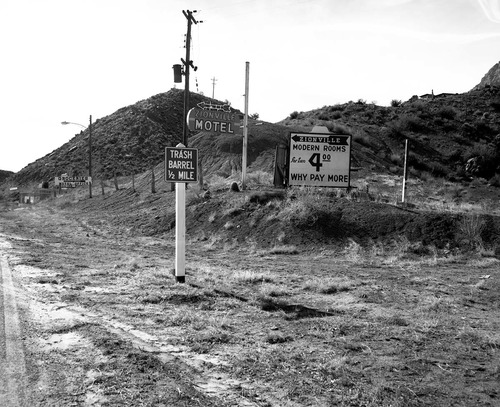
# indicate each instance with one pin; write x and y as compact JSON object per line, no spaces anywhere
{"x":187,"y":64}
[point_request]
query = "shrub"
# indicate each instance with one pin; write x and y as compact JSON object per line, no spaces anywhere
{"x":294,"y":115}
{"x":409,"y":122}
{"x":336,"y":115}
{"x":308,"y":209}
{"x":336,"y":108}
{"x":338,"y":128}
{"x":396,"y":103}
{"x":495,"y":181}
{"x":259,"y":178}
{"x":438,"y":170}
{"x":471,"y":227}
{"x":495,"y":104}
{"x":361,"y":138}
{"x":447,"y":112}
{"x":396,"y":159}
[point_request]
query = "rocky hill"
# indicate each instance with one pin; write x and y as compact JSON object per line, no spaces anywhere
{"x":4,"y":175}
{"x":456,"y":136}
{"x":492,"y":78}
{"x":133,"y":139}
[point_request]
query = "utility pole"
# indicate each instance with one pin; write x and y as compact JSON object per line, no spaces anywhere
{"x":213,"y":86}
{"x":245,"y":129}
{"x":187,"y":63}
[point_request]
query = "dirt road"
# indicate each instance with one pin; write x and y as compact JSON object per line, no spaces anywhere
{"x":12,"y":363}
{"x":109,"y":326}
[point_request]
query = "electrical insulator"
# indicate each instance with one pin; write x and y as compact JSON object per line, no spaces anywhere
{"x":177,"y":73}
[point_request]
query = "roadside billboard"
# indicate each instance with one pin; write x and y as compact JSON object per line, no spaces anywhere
{"x":320,"y":160}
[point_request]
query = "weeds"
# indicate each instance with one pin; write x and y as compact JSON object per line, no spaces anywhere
{"x":471,"y":227}
{"x":305,"y":208}
{"x":249,"y":276}
{"x":283,"y":249}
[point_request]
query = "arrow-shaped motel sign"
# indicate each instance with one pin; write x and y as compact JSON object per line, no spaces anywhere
{"x":211,"y":106}
{"x":334,"y":140}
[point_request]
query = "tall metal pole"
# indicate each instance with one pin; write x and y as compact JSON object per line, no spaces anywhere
{"x":90,"y":157}
{"x":405,"y":172}
{"x":245,"y":130}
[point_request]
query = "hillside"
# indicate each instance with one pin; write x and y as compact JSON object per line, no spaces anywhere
{"x":453,"y":136}
{"x":4,"y":175}
{"x":129,"y":141}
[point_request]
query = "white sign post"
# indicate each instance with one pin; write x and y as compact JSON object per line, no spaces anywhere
{"x":320,"y":160}
{"x":180,"y":232}
{"x":181,"y":166}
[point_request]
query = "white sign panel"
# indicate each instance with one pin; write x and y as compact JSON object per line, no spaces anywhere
{"x":320,"y":160}
{"x":70,"y":182}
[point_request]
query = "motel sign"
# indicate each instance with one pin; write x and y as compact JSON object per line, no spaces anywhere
{"x":217,"y":121}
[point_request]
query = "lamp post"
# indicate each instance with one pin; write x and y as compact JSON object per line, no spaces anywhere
{"x":90,"y":149}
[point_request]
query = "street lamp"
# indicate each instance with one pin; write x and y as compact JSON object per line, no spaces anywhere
{"x":90,"y":149}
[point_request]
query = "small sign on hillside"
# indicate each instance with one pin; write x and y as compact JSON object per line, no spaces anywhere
{"x":71,"y":182}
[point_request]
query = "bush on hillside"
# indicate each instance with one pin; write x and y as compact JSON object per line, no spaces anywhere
{"x":495,"y":181}
{"x":336,"y":108}
{"x":447,"y":112}
{"x":438,"y":169}
{"x":338,"y":128}
{"x":409,"y":122}
{"x":306,"y":209}
{"x":495,"y":104}
{"x":396,"y":103}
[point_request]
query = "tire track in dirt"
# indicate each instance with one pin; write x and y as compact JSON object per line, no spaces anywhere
{"x":207,"y":380}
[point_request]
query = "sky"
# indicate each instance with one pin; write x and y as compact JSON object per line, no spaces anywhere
{"x":64,"y":60}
